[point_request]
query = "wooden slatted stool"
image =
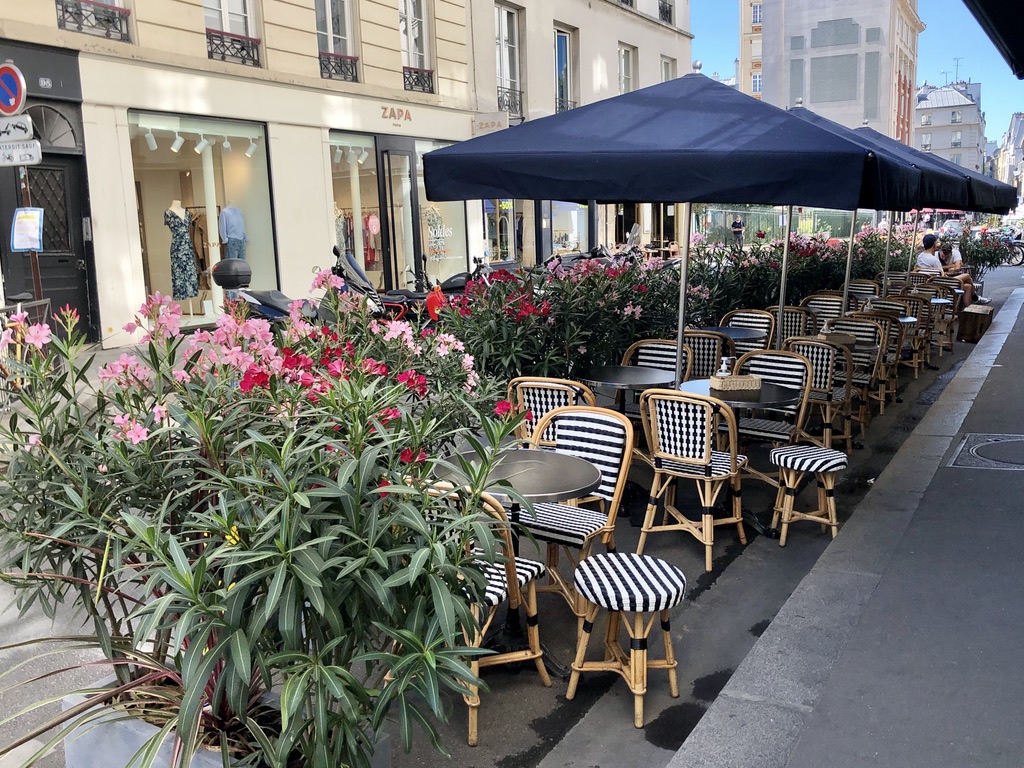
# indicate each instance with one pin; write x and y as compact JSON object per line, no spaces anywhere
{"x":795,"y":461}
{"x":622,"y":583}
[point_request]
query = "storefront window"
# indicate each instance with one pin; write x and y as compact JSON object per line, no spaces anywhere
{"x":503,"y":229}
{"x":203,"y":194}
{"x":568,"y":227}
{"x":442,"y":227}
{"x":357,"y":222}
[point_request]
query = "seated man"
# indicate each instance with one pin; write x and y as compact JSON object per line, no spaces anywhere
{"x":927,"y":260}
{"x":952,"y":266}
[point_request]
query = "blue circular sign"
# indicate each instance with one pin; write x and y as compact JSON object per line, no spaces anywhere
{"x":12,"y":90}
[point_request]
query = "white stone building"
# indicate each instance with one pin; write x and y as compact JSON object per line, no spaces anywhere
{"x":950,"y":124}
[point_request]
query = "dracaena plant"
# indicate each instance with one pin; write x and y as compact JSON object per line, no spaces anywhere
{"x":245,"y":511}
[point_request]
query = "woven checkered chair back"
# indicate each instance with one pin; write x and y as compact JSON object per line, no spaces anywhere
{"x":540,"y":395}
{"x":796,"y":321}
{"x":599,"y":435}
{"x":708,"y":350}
{"x":680,"y":426}
{"x":824,"y":358}
{"x":920,"y":278}
{"x":758,"y":319}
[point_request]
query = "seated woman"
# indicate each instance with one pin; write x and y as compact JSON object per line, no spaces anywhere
{"x":952,"y":266}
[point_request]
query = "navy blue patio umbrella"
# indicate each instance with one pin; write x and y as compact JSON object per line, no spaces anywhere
{"x":689,"y":140}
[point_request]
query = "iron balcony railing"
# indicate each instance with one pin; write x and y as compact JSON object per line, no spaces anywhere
{"x":238,"y":49}
{"x":926,"y":147}
{"x":94,"y":18}
{"x":564,"y":105}
{"x":335,"y":66}
{"x":665,"y":10}
{"x":510,"y":100}
{"x":416,"y":79}
{"x":955,"y":143}
{"x":627,"y":2}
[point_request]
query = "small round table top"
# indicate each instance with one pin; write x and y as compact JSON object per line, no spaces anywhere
{"x":635,"y":377}
{"x":907,"y":320}
{"x":736,"y":333}
{"x":938,"y":301}
{"x":768,"y":396}
{"x":540,"y":476}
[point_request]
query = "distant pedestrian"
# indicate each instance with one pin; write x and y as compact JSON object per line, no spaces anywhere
{"x":737,"y":230}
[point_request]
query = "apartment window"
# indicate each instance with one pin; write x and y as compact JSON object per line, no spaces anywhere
{"x":626,"y":56}
{"x":957,"y":139}
{"x":333,"y":34}
{"x":563,"y":71}
{"x":957,"y":116}
{"x":926,"y":141}
{"x":926,"y":119}
{"x":666,"y":11}
{"x":107,"y":19}
{"x":506,"y":43}
{"x":955,"y":159}
{"x":755,"y":82}
{"x":229,"y":34}
{"x":412,"y":27}
{"x":668,"y":69}
{"x":228,"y":16}
{"x":755,"y":13}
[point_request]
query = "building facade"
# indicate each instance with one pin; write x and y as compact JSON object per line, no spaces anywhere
{"x":1009,"y":157}
{"x":950,"y":124}
{"x":852,"y":63}
{"x":179,"y":132}
{"x":749,"y":75}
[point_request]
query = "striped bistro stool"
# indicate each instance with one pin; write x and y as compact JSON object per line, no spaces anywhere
{"x":627,"y":583}
{"x":794,"y":461}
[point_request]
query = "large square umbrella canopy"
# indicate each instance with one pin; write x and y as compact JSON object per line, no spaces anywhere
{"x":687,"y":140}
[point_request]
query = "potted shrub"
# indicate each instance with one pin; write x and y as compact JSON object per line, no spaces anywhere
{"x":242,"y":513}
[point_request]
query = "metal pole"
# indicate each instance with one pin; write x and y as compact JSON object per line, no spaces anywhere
{"x":888,"y":250}
{"x":913,"y":244}
{"x":849,"y":261}
{"x":782,"y":282}
{"x":683,"y":238}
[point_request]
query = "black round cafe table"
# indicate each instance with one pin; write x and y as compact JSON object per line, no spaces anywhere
{"x":540,"y":476}
{"x":736,"y":333}
{"x":627,"y":377}
{"x":768,"y":396}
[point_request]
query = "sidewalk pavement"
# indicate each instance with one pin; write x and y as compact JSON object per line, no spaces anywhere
{"x":899,"y":646}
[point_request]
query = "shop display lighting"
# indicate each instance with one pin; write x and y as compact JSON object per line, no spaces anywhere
{"x":226,"y":146}
{"x":252,"y":148}
{"x":362,"y":156}
{"x":352,"y":156}
{"x":151,"y":140}
{"x":339,"y":153}
{"x":202,"y":145}
{"x":178,"y":141}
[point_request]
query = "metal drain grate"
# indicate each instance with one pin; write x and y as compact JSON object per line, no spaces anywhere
{"x":982,"y":451}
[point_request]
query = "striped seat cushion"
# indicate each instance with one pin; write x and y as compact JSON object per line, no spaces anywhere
{"x":808,"y":458}
{"x":562,"y":524}
{"x":765,"y":429}
{"x":838,"y":395}
{"x":719,"y":466}
{"x":497,"y":585}
{"x":620,"y":581}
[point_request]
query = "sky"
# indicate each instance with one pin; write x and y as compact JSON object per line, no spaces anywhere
{"x":951,"y":45}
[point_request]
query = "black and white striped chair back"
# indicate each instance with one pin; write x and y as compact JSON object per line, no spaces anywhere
{"x":599,"y":435}
{"x":788,"y":369}
{"x":540,"y":395}
{"x":868,"y":334}
{"x":824,"y":307}
{"x":708,"y":349}
{"x":758,"y":319}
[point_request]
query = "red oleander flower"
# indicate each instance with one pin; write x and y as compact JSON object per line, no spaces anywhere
{"x":503,"y":408}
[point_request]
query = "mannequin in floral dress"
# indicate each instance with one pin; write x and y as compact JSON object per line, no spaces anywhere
{"x":184,"y":277}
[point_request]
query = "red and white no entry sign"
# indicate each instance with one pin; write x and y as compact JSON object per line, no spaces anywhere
{"x":12,"y":90}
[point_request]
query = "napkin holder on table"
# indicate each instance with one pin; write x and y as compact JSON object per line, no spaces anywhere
{"x":747,"y":382}
{"x":843,"y":339}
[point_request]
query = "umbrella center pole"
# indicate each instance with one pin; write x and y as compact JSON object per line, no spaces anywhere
{"x":913,"y":245}
{"x":849,"y":262}
{"x":682,"y":222}
{"x":888,"y":250}
{"x":785,"y":272}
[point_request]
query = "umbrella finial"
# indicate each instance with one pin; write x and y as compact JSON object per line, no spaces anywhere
{"x":864,"y":123}
{"x":800,"y":101}
{"x":697,"y":67}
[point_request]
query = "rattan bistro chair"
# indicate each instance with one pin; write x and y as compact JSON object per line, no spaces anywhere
{"x":681,"y":430}
{"x":510,"y":578}
{"x":541,"y":394}
{"x":796,"y":321}
{"x":652,"y":353}
{"x":605,"y":439}
{"x":831,"y":394}
{"x":708,"y":347}
{"x":756,"y":319}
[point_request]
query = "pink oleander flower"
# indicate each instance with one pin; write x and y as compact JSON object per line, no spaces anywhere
{"x":159,"y":412}
{"x":327,"y":279}
{"x":35,"y":440}
{"x":38,"y":335}
{"x":6,"y":337}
